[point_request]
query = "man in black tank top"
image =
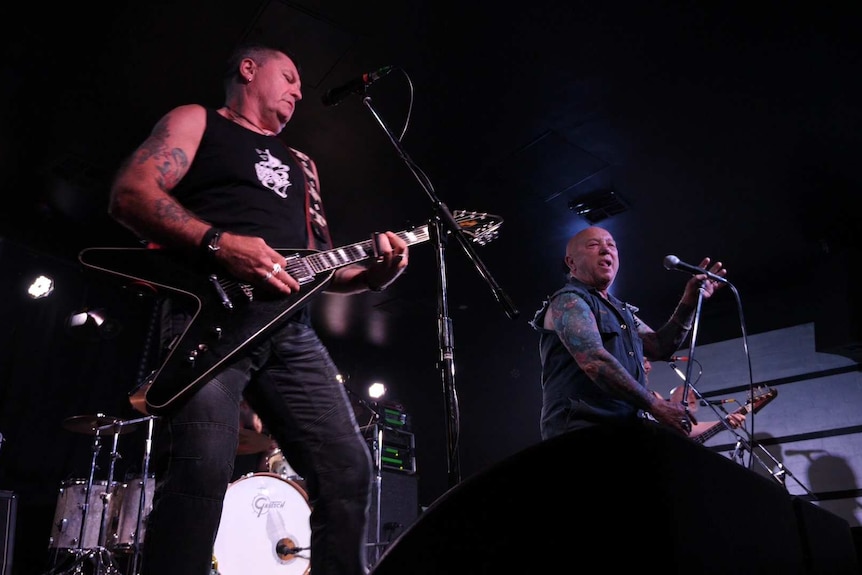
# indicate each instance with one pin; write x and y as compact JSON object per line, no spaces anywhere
{"x":215,"y":191}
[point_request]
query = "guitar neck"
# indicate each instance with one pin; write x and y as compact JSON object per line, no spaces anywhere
{"x":753,"y":405}
{"x":718,"y":427}
{"x":360,"y":251}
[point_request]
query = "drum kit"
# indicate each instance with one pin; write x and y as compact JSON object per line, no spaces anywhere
{"x":99,"y":524}
{"x":98,"y":521}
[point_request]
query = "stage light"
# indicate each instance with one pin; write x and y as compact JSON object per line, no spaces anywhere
{"x":376,"y":390}
{"x":42,"y":286}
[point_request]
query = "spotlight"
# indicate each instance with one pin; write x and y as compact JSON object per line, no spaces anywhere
{"x":42,"y":286}
{"x":376,"y":390}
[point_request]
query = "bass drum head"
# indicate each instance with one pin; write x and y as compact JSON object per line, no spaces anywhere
{"x":264,"y":528}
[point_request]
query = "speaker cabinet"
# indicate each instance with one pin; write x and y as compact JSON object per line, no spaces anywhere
{"x":399,"y":508}
{"x":616,"y":498}
{"x":8,"y":509}
{"x":828,"y":545}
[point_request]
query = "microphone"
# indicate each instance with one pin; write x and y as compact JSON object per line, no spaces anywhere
{"x":358,"y":85}
{"x":674,"y":263}
{"x":705,"y":402}
{"x":283,"y":548}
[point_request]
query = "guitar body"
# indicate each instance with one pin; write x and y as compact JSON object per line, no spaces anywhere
{"x":226,"y":316}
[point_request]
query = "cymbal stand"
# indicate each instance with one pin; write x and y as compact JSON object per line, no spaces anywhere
{"x":145,"y":472}
{"x":103,"y":562}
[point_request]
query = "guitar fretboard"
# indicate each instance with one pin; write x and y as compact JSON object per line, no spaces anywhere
{"x":354,"y":253}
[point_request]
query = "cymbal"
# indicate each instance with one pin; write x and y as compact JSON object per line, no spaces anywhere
{"x":251,"y":441}
{"x":101,"y":423}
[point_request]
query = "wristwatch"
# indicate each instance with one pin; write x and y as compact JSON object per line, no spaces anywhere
{"x":209,"y":243}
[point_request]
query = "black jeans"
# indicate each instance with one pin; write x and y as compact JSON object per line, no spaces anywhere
{"x":289,"y":380}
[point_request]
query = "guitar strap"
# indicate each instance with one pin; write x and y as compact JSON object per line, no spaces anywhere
{"x":315,"y":219}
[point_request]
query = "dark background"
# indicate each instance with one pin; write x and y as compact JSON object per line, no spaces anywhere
{"x":730,"y":131}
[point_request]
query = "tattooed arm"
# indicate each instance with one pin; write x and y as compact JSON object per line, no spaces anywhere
{"x":573,"y":321}
{"x":140,"y":195}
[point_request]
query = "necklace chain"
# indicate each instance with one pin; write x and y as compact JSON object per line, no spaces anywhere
{"x":236,"y":115}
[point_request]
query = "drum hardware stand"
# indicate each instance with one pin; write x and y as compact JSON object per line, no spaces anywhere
{"x":145,"y":470}
{"x":103,"y":562}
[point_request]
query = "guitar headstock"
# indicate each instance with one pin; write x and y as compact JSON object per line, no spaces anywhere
{"x":481,"y":227}
{"x":760,"y":397}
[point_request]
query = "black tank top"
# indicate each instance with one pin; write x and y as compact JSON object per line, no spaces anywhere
{"x":247,"y":183}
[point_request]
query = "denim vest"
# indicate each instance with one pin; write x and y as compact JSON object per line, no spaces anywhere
{"x":570,"y":399}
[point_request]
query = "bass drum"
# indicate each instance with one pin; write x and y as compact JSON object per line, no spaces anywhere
{"x":264,"y":528}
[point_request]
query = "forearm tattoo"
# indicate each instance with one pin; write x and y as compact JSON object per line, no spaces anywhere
{"x":669,"y":337}
{"x":576,"y":326}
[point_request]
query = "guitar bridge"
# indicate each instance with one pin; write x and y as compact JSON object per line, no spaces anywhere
{"x":222,"y":295}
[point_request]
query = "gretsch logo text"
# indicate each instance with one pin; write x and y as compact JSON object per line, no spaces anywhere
{"x":262,"y":504}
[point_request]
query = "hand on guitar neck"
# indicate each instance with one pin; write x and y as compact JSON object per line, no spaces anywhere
{"x":700,"y":430}
{"x":735,"y":419}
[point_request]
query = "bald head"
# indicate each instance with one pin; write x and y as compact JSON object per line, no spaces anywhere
{"x":591,"y":256}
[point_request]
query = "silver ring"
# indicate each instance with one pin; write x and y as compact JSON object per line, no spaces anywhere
{"x":276,"y":268}
{"x":267,"y":276}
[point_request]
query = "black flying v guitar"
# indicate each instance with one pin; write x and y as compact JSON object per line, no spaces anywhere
{"x":753,"y":405}
{"x":226,"y":317}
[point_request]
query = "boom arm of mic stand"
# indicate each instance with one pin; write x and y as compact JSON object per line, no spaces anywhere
{"x":444,"y":324}
{"x":499,"y":294}
{"x":445,"y":216}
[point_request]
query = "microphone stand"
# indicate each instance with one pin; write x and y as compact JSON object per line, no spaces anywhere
{"x":443,"y":222}
{"x":777,"y":471}
{"x":695,"y":325}
{"x":742,"y":443}
{"x":373,"y":551}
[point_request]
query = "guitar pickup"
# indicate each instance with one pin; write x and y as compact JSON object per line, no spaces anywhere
{"x":298,"y":268}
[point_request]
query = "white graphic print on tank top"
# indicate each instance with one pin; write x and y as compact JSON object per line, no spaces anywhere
{"x":273,"y":173}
